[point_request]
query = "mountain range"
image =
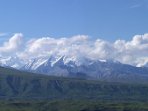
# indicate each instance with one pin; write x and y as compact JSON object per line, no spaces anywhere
{"x":86,"y":68}
{"x":15,"y":84}
{"x":27,"y":91}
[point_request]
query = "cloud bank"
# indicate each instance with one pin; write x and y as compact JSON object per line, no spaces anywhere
{"x":133,"y":52}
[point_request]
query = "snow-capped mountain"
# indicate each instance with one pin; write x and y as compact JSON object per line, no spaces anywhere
{"x":13,"y":62}
{"x":79,"y":67}
{"x":85,"y":68}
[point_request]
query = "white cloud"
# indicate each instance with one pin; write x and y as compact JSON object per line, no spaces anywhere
{"x":12,"y":46}
{"x":134,"y":52}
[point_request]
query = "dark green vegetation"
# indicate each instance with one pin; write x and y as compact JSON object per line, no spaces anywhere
{"x":32,"y":92}
{"x":71,"y":105}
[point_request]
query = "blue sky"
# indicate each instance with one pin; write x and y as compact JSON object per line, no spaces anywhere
{"x":105,"y":19}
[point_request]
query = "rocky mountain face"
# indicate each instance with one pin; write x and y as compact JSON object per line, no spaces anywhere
{"x":80,"y":68}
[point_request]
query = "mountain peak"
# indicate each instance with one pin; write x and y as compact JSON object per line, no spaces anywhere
{"x":79,"y":67}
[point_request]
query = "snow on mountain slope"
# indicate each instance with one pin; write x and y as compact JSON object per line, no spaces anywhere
{"x":85,"y":68}
{"x":78,"y":67}
{"x":13,"y":62}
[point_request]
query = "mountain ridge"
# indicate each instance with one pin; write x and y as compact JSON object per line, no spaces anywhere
{"x":15,"y":84}
{"x":86,"y":68}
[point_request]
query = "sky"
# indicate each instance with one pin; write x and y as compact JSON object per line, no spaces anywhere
{"x":105,"y":19}
{"x":96,"y":29}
